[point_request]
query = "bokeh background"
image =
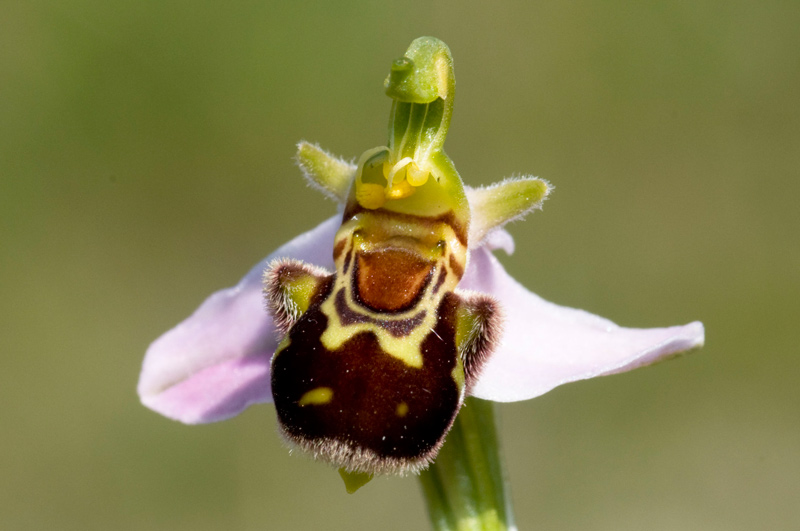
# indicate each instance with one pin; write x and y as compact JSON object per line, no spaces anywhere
{"x":146,"y":160}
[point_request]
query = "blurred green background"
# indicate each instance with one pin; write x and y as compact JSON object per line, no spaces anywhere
{"x":146,"y":160}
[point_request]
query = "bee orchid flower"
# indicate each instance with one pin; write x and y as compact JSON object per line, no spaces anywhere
{"x":370,"y":331}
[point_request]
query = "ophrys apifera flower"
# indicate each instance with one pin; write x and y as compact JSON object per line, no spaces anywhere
{"x":369,"y":331}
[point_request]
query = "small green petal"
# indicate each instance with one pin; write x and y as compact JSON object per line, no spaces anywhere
{"x":494,"y":206}
{"x":331,"y":175}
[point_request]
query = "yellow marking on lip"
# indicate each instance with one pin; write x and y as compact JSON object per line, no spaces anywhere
{"x":402,"y":409}
{"x":317,"y":397}
{"x":406,"y":348}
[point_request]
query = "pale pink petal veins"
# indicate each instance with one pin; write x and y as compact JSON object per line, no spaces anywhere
{"x":544,"y":345}
{"x":216,"y":363}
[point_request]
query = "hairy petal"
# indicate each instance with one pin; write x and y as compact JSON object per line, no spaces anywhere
{"x":216,"y":363}
{"x":512,"y":199}
{"x":329,"y":174}
{"x":545,"y":345}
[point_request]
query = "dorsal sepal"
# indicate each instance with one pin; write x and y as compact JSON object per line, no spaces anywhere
{"x":423,"y":74}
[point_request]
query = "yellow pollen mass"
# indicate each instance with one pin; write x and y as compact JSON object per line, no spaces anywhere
{"x":402,"y":409}
{"x":415,"y":175}
{"x":318,"y":397}
{"x":401,"y":190}
{"x":370,"y":195}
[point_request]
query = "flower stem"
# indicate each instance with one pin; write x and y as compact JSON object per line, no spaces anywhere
{"x":465,"y":488}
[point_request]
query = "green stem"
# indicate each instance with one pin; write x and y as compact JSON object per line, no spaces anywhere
{"x":465,"y":488}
